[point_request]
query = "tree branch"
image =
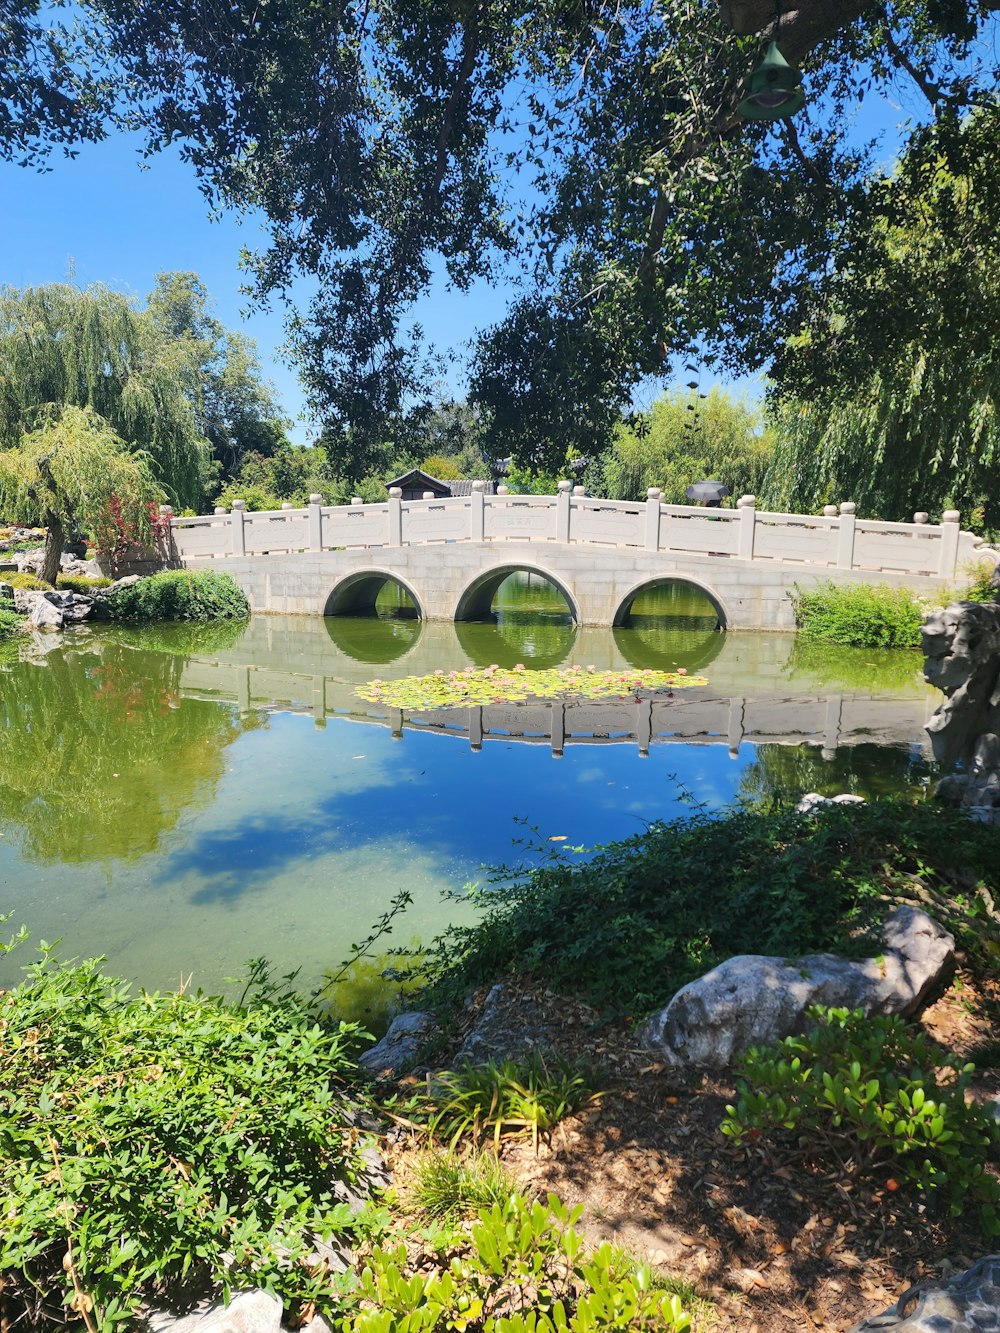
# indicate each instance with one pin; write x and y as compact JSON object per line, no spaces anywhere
{"x":930,"y":90}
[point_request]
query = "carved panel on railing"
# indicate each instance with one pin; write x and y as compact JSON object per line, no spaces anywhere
{"x":520,"y":518}
{"x":435,"y":521}
{"x":784,"y":537}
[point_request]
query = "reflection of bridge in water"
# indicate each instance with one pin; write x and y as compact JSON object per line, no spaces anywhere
{"x":694,"y":717}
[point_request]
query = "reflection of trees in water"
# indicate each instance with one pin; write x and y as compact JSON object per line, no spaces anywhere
{"x":98,"y":756}
{"x":516,"y":638}
{"x":372,"y":639}
{"x":869,"y":670}
{"x":655,"y":642}
{"x":780,"y":774}
{"x":182,"y":638}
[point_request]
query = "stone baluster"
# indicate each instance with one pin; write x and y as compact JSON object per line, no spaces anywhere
{"x":845,"y":542}
{"x":562,"y":511}
{"x":356,"y":500}
{"x":477,"y":512}
{"x":949,"y":543}
{"x":503,"y":490}
{"x":558,"y":728}
{"x":394,"y":534}
{"x":747,"y":506}
{"x":287,"y":504}
{"x":653,"y":499}
{"x":315,"y":522}
{"x":427,"y":495}
{"x":237,"y":521}
{"x":921,"y":516}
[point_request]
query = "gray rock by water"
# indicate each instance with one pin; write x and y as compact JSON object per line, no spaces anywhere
{"x":45,"y":615}
{"x":813,"y":801}
{"x":400,"y":1048}
{"x":753,"y":999}
{"x":966,"y":1303}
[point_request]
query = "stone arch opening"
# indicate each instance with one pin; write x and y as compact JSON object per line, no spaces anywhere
{"x":373,"y":592}
{"x":683,"y":602}
{"x":479,"y":600}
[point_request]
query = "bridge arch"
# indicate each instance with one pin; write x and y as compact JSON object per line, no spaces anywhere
{"x":355,"y":594}
{"x":476,"y":600}
{"x":717,"y":603}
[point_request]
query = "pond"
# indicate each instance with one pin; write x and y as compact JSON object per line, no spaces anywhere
{"x":183,"y":798}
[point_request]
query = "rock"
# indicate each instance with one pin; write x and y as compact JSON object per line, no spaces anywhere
{"x":812,"y":801}
{"x":316,"y":1325}
{"x":80,"y":608}
{"x":6,"y":594}
{"x":399,"y":1048}
{"x":966,"y":1303}
{"x":754,"y":1000}
{"x":45,"y":615}
{"x":510,"y":1027}
{"x":247,"y":1312}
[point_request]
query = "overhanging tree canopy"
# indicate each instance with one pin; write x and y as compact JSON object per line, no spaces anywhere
{"x":590,"y":150}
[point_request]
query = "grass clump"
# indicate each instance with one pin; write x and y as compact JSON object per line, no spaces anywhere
{"x":652,"y":912}
{"x":862,"y":614}
{"x":507,"y":1098}
{"x":153,"y":1139}
{"x":81,"y":583}
{"x":867,"y":1098}
{"x":448,"y":1188}
{"x":180,"y":594}
{"x":28,"y":582}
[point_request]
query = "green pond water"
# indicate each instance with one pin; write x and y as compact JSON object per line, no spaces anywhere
{"x":183,"y":798}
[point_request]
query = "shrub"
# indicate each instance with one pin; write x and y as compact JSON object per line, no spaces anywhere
{"x":865,"y":1096}
{"x":82,"y":583}
{"x":153,"y":1138}
{"x":507,"y":1098}
{"x":25,"y":581}
{"x":180,"y":594}
{"x":652,"y":912}
{"x":10,"y":623}
{"x":864,"y":614}
{"x":448,"y":1188}
{"x":525,"y":1271}
{"x":979,"y":582}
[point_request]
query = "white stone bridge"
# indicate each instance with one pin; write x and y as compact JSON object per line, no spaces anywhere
{"x":451,"y":555}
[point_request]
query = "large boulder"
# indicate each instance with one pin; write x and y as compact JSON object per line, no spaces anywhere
{"x":247,"y":1312}
{"x":45,"y":615}
{"x":960,"y":1304}
{"x":754,"y":1000}
{"x":400,"y":1048}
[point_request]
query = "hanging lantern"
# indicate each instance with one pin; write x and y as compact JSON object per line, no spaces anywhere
{"x":774,"y":89}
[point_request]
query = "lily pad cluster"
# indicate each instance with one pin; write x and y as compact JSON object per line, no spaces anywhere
{"x":497,"y":685}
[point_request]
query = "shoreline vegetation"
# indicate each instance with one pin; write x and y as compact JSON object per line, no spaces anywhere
{"x":151,"y":1138}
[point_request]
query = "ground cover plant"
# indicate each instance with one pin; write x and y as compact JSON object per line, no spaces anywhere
{"x":29,"y":582}
{"x":652,"y":912}
{"x":867,"y":1097}
{"x":82,"y":583}
{"x":867,"y":615}
{"x":180,"y":594}
{"x":525,"y":1269}
{"x":494,"y":684}
{"x":149,"y":1140}
{"x":10,"y":623}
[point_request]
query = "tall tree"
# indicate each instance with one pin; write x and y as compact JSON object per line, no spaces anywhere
{"x":90,"y":347}
{"x":74,"y":470}
{"x":235,"y":408}
{"x":595,"y":150}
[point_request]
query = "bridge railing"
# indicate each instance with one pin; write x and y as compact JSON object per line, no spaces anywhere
{"x":836,"y":538}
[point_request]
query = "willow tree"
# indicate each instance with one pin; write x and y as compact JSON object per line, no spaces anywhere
{"x":91,"y":347}
{"x":75,"y":471}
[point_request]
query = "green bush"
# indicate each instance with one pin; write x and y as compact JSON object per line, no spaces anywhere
{"x":10,"y":623}
{"x":864,"y":614}
{"x":81,"y":583}
{"x":652,"y":912}
{"x":26,"y":581}
{"x":865,"y":1097}
{"x":525,"y":1271}
{"x":978,"y":582}
{"x":155,"y":1138}
{"x":180,"y":594}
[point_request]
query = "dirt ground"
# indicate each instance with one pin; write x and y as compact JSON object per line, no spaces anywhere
{"x":775,"y":1247}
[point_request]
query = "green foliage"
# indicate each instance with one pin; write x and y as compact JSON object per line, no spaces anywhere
{"x":652,"y":912}
{"x":29,"y":582}
{"x":448,"y":1188}
{"x":863,"y":1096}
{"x":10,"y":623}
{"x":291,"y":473}
{"x":864,"y":614}
{"x":526,"y":1271}
{"x":684,"y":439}
{"x":494,"y":684}
{"x":63,"y":346}
{"x":82,"y":583}
{"x":180,"y":594}
{"x":154,"y":1139}
{"x":978,"y":582}
{"x":509,"y":1098}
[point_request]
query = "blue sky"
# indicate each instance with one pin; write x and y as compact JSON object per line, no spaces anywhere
{"x":101,"y":218}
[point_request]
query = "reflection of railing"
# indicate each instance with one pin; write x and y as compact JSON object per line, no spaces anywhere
{"x":828,"y":721}
{"x":836,"y":539}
